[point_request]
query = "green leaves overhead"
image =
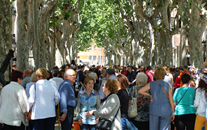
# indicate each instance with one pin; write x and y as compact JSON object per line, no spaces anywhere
{"x":98,"y":22}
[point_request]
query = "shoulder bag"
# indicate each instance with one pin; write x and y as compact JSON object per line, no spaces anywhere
{"x":30,"y":112}
{"x":105,"y":124}
{"x":182,"y":96}
{"x":163,"y":90}
{"x":132,"y":110}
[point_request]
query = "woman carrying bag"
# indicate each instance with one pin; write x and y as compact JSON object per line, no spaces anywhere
{"x":185,"y":112}
{"x":109,"y":108}
{"x":161,"y":109}
{"x":141,"y":120}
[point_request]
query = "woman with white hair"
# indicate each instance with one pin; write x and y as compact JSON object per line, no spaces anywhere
{"x":141,"y":121}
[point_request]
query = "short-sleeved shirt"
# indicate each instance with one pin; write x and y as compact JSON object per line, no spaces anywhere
{"x":186,"y":105}
{"x":143,"y":103}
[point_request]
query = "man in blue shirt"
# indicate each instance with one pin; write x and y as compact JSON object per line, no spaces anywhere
{"x":26,"y":76}
{"x":67,"y":100}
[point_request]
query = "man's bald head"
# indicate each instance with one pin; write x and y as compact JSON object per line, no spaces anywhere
{"x":70,"y":75}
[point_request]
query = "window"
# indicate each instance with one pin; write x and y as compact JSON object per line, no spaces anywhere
{"x":90,"y":57}
{"x":99,"y":60}
{"x":94,"y":57}
{"x":94,"y":46}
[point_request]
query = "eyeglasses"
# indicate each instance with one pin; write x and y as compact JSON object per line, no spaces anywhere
{"x":72,"y":75}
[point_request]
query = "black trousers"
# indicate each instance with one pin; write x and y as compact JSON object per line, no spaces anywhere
{"x":9,"y":127}
{"x":185,"y":121}
{"x":44,"y":124}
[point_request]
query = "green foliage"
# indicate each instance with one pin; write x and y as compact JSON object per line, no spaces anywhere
{"x":190,"y":4}
{"x":160,"y":5}
{"x":66,"y":15}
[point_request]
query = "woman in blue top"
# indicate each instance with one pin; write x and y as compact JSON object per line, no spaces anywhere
{"x":87,"y":100}
{"x":185,"y":112}
{"x":161,"y":108}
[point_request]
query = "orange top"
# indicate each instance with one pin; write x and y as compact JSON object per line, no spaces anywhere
{"x":182,"y":73}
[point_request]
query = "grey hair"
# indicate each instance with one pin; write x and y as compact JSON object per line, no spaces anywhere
{"x":33,"y":77}
{"x":27,"y":71}
{"x":68,"y":72}
{"x":141,"y":78}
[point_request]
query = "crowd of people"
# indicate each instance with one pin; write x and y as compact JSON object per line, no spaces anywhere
{"x":164,"y":98}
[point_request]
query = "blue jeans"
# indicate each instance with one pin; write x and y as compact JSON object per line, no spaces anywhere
{"x":159,"y":122}
{"x":126,"y":124}
{"x":123,"y":123}
{"x":67,"y":123}
{"x":86,"y":127}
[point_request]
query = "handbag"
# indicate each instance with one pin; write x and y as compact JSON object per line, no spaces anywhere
{"x":30,"y":112}
{"x":105,"y":124}
{"x":132,"y":110}
{"x":163,"y":89}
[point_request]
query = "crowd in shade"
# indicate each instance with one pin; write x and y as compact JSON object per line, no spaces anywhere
{"x":123,"y":97}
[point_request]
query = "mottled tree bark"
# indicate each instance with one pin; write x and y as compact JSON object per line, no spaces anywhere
{"x":165,"y":48}
{"x":52,"y":54}
{"x":30,"y":27}
{"x":42,"y":16}
{"x":22,"y":44}
{"x":46,"y":39}
{"x":36,"y":49}
{"x":5,"y":31}
{"x":184,"y":13}
{"x":196,"y":29}
{"x":53,"y":46}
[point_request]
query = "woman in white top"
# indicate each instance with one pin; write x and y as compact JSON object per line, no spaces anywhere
{"x":13,"y":104}
{"x":200,"y":103}
{"x":43,"y":98}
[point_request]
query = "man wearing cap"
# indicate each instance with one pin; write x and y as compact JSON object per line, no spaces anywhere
{"x":110,"y":74}
{"x":57,"y":80}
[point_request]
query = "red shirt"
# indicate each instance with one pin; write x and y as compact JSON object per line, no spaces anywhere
{"x":124,"y":73}
{"x":177,"y":82}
